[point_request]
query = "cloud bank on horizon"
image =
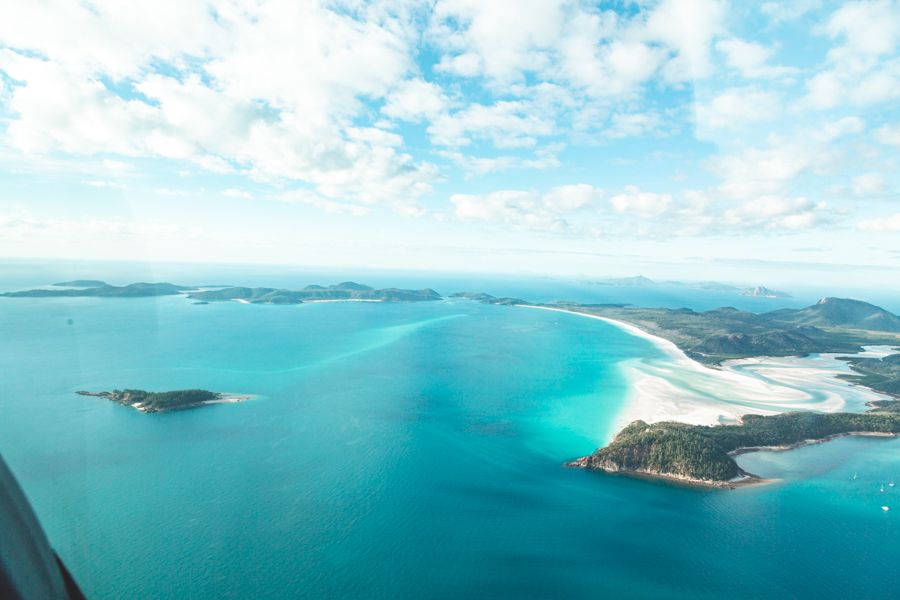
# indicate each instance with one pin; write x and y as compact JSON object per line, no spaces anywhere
{"x":539,"y":121}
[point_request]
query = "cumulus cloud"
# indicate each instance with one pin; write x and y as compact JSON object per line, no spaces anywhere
{"x":267,"y":89}
{"x":737,"y":107}
{"x":862,"y":69}
{"x":751,"y":59}
{"x":527,"y":210}
{"x":584,"y":210}
{"x":416,"y":100}
{"x":508,"y":124}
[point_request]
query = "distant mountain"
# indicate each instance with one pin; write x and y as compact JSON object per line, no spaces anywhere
{"x":712,"y":286}
{"x":840,"y":312}
{"x":764,"y":292}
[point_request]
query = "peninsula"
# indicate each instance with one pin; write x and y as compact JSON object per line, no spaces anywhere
{"x":710,"y":337}
{"x":154,"y":402}
{"x":703,"y":455}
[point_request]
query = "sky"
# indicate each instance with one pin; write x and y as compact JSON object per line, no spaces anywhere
{"x":697,"y":139}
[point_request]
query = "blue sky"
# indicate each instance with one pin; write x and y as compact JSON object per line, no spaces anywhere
{"x":691,"y":138}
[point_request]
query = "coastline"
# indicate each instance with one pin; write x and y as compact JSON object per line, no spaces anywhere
{"x":746,"y":480}
{"x":675,"y":387}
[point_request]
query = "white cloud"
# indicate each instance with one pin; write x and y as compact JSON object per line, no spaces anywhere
{"x":775,"y":213}
{"x":633,"y":201}
{"x":598,"y":51}
{"x":751,"y":59}
{"x":888,"y":224}
{"x":237,"y":193}
{"x":869,"y":184}
{"x":527,"y":210}
{"x":584,"y":210}
{"x":415,"y":100}
{"x":773,"y":169}
{"x":862,"y":70}
{"x":789,"y":10}
{"x":688,"y":27}
{"x":105,"y":183}
{"x":737,"y":107}
{"x":631,"y":125}
{"x":477,"y":165}
{"x":508,"y":124}
{"x":268,"y":90}
{"x":869,"y":28}
{"x":313,"y":199}
{"x":888,"y":134}
{"x":757,"y":172}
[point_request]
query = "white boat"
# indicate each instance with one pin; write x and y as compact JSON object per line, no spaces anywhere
{"x":885,"y":508}
{"x":882,"y":487}
{"x":891,"y":484}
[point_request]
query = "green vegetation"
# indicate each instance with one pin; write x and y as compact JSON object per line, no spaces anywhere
{"x":840,"y":312}
{"x":488,"y":299}
{"x":133,"y":290}
{"x":703,"y":454}
{"x":882,"y":374}
{"x":347,"y":290}
{"x":726,"y":333}
{"x":158,"y":401}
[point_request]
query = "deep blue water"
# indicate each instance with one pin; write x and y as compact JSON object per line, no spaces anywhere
{"x":397,"y":451}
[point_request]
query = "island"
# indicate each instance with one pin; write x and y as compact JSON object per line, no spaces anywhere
{"x":704,"y":455}
{"x":347,"y":290}
{"x":155,"y":402}
{"x":100,"y":289}
{"x":488,"y":299}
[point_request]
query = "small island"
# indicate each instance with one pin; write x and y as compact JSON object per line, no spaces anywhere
{"x":154,"y":402}
{"x":704,"y":455}
{"x":488,"y":299}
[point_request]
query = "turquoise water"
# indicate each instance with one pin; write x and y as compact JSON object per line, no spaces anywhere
{"x":397,"y":451}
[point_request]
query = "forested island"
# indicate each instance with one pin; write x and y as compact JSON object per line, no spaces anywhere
{"x":154,"y":402}
{"x":86,"y":288}
{"x":704,"y":455}
{"x":347,"y":290}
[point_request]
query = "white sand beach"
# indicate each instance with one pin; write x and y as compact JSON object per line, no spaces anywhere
{"x":675,"y":387}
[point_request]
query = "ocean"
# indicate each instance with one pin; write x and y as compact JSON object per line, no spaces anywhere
{"x":398,"y":451}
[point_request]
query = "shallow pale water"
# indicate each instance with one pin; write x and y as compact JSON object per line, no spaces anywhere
{"x":397,"y":451}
